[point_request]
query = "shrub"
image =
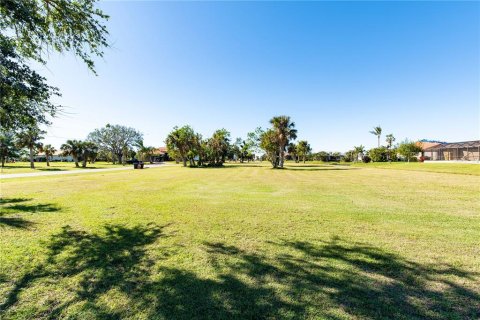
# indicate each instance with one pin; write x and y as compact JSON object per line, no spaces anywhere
{"x":378,"y":154}
{"x":366,"y":159}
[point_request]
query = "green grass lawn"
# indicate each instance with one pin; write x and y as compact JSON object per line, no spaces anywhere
{"x":458,"y":168}
{"x":24,"y":167}
{"x":244,"y":241}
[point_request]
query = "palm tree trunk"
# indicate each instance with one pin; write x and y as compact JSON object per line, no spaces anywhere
{"x":282,"y":155}
{"x":379,"y":141}
{"x":32,"y":166}
{"x":48,"y":162}
{"x":75,"y":158}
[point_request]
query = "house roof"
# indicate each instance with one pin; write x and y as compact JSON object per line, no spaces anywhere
{"x":161,"y":150}
{"x":453,"y":145}
{"x":426,"y":145}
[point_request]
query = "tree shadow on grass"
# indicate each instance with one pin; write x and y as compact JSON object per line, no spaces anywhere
{"x":13,"y":200}
{"x":359,"y":281}
{"x":114,"y":259}
{"x":332,"y":279}
{"x":50,"y":169}
{"x":30,"y":208}
{"x":12,"y":208}
{"x":320,"y":168}
{"x":15,"y":222}
{"x":230,"y":166}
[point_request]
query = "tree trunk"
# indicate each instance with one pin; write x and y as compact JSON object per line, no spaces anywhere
{"x":303,"y":159}
{"x":84,"y":162}
{"x":119,"y":156}
{"x":379,"y":141}
{"x":184,"y":161}
{"x":75,"y":158}
{"x":48,"y":161}
{"x":3,"y":161}
{"x":32,"y":166}
{"x":282,"y":155}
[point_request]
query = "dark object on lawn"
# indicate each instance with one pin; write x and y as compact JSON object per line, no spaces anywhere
{"x":137,"y":164}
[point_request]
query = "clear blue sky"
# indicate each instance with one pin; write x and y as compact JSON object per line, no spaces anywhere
{"x":337,"y":68}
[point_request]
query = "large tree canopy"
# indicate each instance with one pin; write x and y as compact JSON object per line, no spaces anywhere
{"x":29,"y":30}
{"x":181,"y":141}
{"x":24,"y":94}
{"x":116,"y":139}
{"x":38,"y":26}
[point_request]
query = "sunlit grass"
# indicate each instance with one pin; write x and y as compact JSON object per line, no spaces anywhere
{"x":24,"y":167}
{"x":458,"y":168}
{"x":243,"y":241}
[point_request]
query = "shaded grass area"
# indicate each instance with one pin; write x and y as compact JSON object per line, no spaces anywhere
{"x":24,"y":167}
{"x":254,"y":243}
{"x":12,"y":211}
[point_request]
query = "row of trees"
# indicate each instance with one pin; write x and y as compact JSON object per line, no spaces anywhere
{"x":275,"y":143}
{"x":12,"y":145}
{"x":186,"y":145}
{"x":389,"y":152}
{"x":115,"y":143}
{"x":300,"y":150}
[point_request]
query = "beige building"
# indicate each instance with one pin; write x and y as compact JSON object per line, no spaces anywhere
{"x":458,"y":151}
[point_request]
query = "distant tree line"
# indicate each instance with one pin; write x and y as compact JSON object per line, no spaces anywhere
{"x":189,"y":147}
{"x":120,"y":144}
{"x":405,"y":150}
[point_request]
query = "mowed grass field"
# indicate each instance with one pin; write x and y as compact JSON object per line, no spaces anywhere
{"x":456,"y":168}
{"x":244,"y":241}
{"x":24,"y":167}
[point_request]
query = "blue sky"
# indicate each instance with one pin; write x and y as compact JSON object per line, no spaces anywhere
{"x":337,"y":68}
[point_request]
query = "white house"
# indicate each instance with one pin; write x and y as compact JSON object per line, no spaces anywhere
{"x":57,"y":157}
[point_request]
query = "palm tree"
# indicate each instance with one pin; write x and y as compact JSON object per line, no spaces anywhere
{"x":49,"y":151}
{"x":303,"y":149}
{"x":292,"y":151}
{"x":285,"y":130}
{"x":377,"y":131}
{"x":358,"y":150}
{"x":89,"y":151}
{"x":72,"y":148}
{"x":389,"y":139}
{"x":29,"y":138}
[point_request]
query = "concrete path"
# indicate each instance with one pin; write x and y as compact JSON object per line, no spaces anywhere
{"x":76,"y":171}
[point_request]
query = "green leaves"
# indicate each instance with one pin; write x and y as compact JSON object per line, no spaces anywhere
{"x":40,"y":26}
{"x":24,"y":94}
{"x":116,"y":139}
{"x":31,"y":29}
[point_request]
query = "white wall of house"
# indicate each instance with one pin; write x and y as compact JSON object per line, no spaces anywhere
{"x":56,"y":157}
